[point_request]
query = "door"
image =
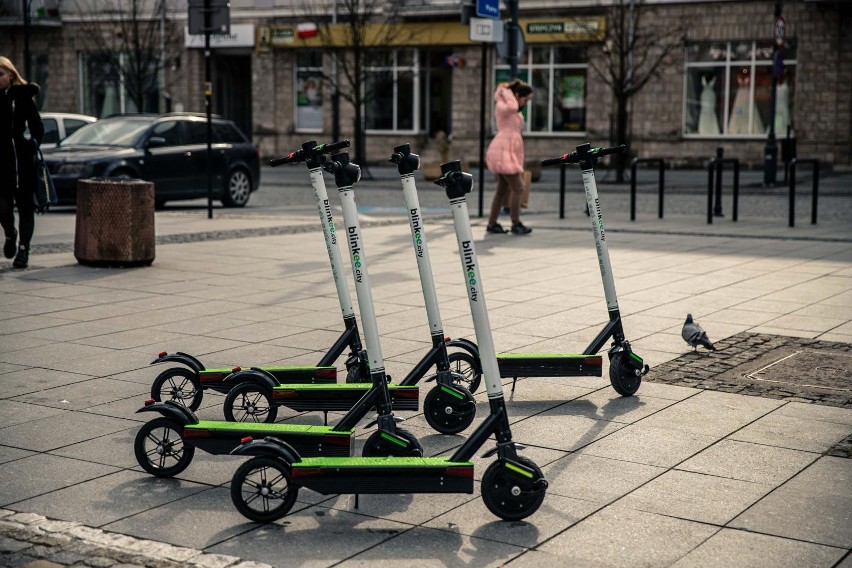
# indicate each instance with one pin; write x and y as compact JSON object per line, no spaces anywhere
{"x":166,"y":163}
{"x":232,"y":97}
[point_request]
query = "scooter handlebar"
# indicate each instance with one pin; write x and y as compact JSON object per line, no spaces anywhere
{"x":326,"y":148}
{"x":302,"y":155}
{"x":289,"y":158}
{"x":575,"y":157}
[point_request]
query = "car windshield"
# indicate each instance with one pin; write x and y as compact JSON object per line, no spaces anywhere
{"x":113,"y":132}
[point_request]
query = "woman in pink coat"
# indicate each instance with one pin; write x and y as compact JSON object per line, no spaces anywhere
{"x":505,"y":156}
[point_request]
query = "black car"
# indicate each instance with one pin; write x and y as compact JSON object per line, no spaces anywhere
{"x":169,"y":150}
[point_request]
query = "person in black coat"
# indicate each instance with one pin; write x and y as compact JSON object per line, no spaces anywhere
{"x":18,"y":115}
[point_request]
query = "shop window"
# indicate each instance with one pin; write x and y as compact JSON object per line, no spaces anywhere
{"x":104,"y":91}
{"x":558,"y":76}
{"x":309,"y":91}
{"x":729,"y":89}
{"x":391,"y":90}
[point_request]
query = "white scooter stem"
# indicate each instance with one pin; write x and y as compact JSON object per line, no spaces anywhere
{"x":424,"y":266}
{"x":362,"y":279}
{"x":596,"y":215}
{"x":330,"y":233}
{"x":476,"y":298}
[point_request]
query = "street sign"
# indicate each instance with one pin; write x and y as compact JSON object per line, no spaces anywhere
{"x":488,"y":8}
{"x":486,"y":30}
{"x":220,"y":17}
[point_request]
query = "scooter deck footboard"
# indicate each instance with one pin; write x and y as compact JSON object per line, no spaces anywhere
{"x":212,"y":378}
{"x":513,"y":365}
{"x":219,"y":437}
{"x":330,"y":476}
{"x":340,"y":397}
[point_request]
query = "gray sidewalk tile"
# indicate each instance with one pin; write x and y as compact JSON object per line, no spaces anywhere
{"x":794,"y":433}
{"x":697,"y":497}
{"x":638,"y":443}
{"x":412,"y":509}
{"x":312,"y":537}
{"x":8,"y":453}
{"x":132,"y":339}
{"x":712,"y":413}
{"x":430,"y":548}
{"x":25,"y":380}
{"x":61,"y":430}
{"x":817,"y":412}
{"x":203,"y":518}
{"x":84,"y":394}
{"x":114,"y":449}
{"x":601,"y":480}
{"x":14,"y":412}
{"x":742,"y":548}
{"x":749,"y":462}
{"x":566,"y":433}
{"x":606,"y":404}
{"x":43,"y":474}
{"x":814,"y":506}
{"x":108,"y":498}
{"x":21,"y":341}
{"x":654,"y":540}
{"x":76,"y":358}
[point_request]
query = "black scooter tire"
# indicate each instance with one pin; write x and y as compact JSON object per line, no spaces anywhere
{"x":623,"y":379}
{"x":376,"y":446}
{"x":461,"y":411}
{"x":497,"y":495}
{"x":465,"y":364}
{"x":175,"y":449}
{"x":244,"y":395}
{"x":259,"y":475}
{"x":165,"y":384}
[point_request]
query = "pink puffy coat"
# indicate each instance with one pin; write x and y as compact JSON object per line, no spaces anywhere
{"x":505,"y":154}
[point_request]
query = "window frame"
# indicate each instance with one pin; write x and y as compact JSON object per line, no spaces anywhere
{"x":526,"y":69}
{"x":729,"y":65}
{"x":311,"y":70}
{"x":396,"y":68}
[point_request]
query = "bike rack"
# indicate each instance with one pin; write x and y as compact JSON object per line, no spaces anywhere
{"x":715,"y":165}
{"x":633,"y":166}
{"x":814,"y":192}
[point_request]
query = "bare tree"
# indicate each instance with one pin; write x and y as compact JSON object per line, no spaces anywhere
{"x":128,"y":36}
{"x":633,"y":56}
{"x":369,"y":31}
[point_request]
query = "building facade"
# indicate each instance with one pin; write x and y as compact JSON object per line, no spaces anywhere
{"x":423,"y":75}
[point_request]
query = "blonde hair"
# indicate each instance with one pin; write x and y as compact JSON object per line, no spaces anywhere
{"x":7,"y":64}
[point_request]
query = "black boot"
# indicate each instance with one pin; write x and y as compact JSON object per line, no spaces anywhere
{"x":22,"y":258}
{"x":10,"y":245}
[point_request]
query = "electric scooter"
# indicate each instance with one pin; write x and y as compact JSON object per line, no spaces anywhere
{"x":449,"y":407}
{"x":625,"y":367}
{"x":185,"y":385}
{"x":265,"y":487}
{"x":165,"y":446}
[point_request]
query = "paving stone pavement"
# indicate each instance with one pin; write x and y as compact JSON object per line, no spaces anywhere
{"x":698,"y":469}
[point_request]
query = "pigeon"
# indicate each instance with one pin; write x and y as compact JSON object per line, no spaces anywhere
{"x":694,"y":335}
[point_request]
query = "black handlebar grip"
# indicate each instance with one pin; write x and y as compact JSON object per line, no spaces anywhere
{"x":555,"y":161}
{"x":336,"y":146}
{"x":613,"y":150}
{"x":283,"y":160}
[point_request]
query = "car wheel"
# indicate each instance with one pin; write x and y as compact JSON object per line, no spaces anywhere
{"x":237,"y":189}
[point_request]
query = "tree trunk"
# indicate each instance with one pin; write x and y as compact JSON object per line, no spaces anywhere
{"x":619,"y":160}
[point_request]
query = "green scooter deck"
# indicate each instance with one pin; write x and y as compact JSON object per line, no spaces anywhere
{"x":514,"y":365}
{"x":340,"y":396}
{"x":330,"y":476}
{"x":220,"y":437}
{"x":212,"y":378}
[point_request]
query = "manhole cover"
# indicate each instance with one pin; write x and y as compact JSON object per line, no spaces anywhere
{"x":808,"y":369}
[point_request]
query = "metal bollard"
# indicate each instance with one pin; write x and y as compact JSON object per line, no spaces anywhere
{"x":662,"y":181}
{"x":814,"y":190}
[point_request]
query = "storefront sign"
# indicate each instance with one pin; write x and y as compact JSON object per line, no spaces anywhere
{"x":242,"y":35}
{"x":282,"y":36}
{"x":575,"y":29}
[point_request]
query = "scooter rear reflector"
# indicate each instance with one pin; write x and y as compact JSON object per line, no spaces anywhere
{"x":246,"y":440}
{"x":162,"y":353}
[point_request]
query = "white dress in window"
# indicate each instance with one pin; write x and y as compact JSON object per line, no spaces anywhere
{"x":708,"y":123}
{"x":738,"y":123}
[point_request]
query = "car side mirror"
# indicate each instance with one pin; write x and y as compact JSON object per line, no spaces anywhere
{"x":155,"y":142}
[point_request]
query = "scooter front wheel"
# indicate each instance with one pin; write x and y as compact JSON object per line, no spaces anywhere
{"x":449,"y":411}
{"x":262,"y":489}
{"x":250,"y":402}
{"x":505,"y":496}
{"x":180,"y":385}
{"x":469,"y":367}
{"x":383,"y":444}
{"x":160,"y":449}
{"x":624,"y":380}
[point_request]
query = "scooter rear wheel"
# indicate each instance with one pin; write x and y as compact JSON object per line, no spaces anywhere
{"x":250,"y":402}
{"x":179,"y":385}
{"x":160,"y":449}
{"x":469,"y":369}
{"x":378,"y":445}
{"x":262,"y":489}
{"x":504,"y":497}
{"x":624,"y":380}
{"x":449,"y":414}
